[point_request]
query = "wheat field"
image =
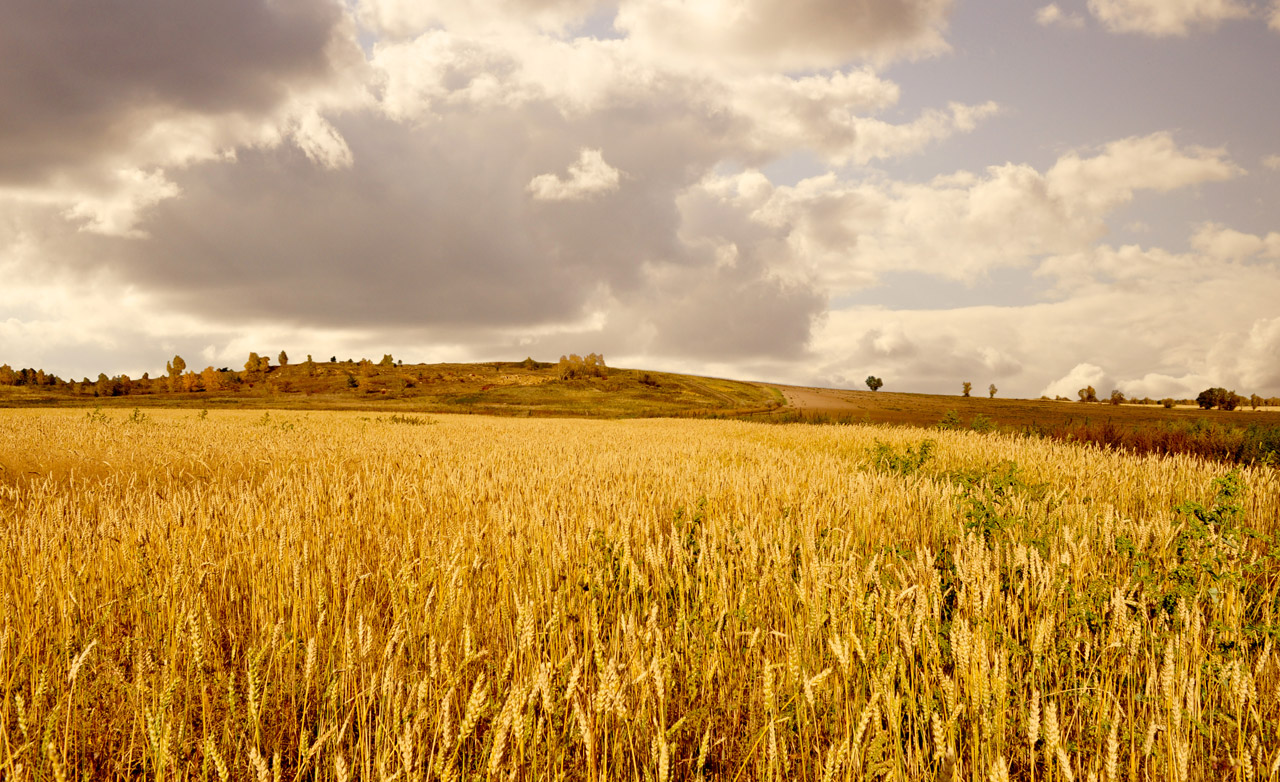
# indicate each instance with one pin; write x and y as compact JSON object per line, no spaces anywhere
{"x":338,"y":596}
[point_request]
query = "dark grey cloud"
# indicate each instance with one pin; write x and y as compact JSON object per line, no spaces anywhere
{"x":733,"y":314}
{"x":432,"y":230}
{"x":80,"y":79}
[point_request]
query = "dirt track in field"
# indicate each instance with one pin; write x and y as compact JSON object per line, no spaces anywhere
{"x":817,"y":398}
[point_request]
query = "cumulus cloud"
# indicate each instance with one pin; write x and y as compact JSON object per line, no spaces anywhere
{"x":1272,"y":162}
{"x":1249,"y":359}
{"x":1219,"y":241}
{"x":1158,"y":18}
{"x":786,"y":34}
{"x":960,"y":226}
{"x":1153,"y":162}
{"x":117,"y":211}
{"x":125,"y":65}
{"x":1275,"y":17}
{"x":590,"y":176}
{"x":97,"y":121}
{"x":1051,"y":15}
{"x":1080,"y":376}
{"x":465,"y":179}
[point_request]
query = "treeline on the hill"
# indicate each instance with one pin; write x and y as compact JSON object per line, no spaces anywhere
{"x":258,"y":370}
{"x":1207,"y":399}
{"x":177,"y":378}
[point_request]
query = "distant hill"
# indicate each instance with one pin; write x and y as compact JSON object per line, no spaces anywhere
{"x":496,"y":388}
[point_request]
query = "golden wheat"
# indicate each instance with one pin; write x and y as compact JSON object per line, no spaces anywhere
{"x":341,"y":596}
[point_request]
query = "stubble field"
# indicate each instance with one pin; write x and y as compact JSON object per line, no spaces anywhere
{"x":335,"y":596}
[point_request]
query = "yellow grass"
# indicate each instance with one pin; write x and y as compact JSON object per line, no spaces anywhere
{"x":339,"y":596}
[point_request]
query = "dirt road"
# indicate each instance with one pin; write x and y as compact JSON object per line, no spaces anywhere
{"x":817,"y":398}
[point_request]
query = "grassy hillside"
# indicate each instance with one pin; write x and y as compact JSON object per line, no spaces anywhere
{"x":496,"y":388}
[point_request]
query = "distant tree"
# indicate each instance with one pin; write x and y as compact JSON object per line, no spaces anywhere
{"x":256,"y":367}
{"x":1220,"y":398}
{"x":333,"y":359}
{"x":175,"y":369}
{"x":874,"y":383}
{"x":7,"y":376}
{"x":967,"y":387}
{"x":529,"y":363}
{"x":1168,"y":403}
{"x":574,"y":366}
{"x":310,"y":366}
{"x":1087,"y":394}
{"x":212,"y":379}
{"x":991,"y":391}
{"x":387,"y":361}
{"x":1117,"y":396}
{"x":1254,"y":401}
{"x":191,"y":381}
{"x":103,"y":386}
{"x":366,"y":368}
{"x":284,"y":359}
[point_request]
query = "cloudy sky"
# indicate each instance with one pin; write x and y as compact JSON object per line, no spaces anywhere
{"x":1034,"y":195}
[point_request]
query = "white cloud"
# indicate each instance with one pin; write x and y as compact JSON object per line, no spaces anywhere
{"x":847,"y":234}
{"x":117,"y":211}
{"x":589,"y":176}
{"x":1153,"y":162}
{"x":439,"y":71}
{"x":1275,"y":17}
{"x":1249,"y":359}
{"x":1051,"y":14}
{"x":1159,"y":18}
{"x":1219,"y":241}
{"x":321,"y":142}
{"x":1080,"y":376}
{"x":1272,"y":161}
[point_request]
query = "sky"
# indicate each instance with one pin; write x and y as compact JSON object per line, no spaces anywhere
{"x":1036,"y":196}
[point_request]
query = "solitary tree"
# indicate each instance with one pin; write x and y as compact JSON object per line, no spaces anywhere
{"x":284,"y":359}
{"x":256,"y":367}
{"x":967,"y":387}
{"x":874,"y":383}
{"x":387,"y":361}
{"x":1087,"y":394}
{"x":175,"y":369}
{"x":991,"y":390}
{"x":1117,"y":396}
